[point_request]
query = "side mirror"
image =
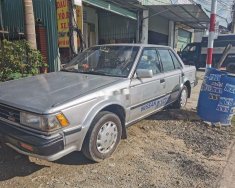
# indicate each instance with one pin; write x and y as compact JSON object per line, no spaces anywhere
{"x":144,"y":73}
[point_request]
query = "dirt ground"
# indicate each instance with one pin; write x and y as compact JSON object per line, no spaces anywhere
{"x":172,"y":148}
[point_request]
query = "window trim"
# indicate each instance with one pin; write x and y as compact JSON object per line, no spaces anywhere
{"x":159,"y":59}
{"x":167,"y":49}
{"x":173,"y":54}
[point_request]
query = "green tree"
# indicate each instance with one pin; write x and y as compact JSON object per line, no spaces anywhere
{"x":18,"y":59}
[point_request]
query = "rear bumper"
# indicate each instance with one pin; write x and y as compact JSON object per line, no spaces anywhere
{"x":25,"y":142}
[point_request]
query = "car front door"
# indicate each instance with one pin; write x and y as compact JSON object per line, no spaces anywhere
{"x":173,"y":74}
{"x":147,"y":93}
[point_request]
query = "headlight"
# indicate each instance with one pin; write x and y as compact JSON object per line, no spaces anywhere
{"x":49,"y":123}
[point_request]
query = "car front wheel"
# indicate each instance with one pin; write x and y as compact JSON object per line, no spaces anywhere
{"x":103,"y":136}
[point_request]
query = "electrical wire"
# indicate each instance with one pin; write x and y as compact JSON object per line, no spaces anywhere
{"x":75,"y":28}
{"x":80,"y":35}
{"x":222,"y":6}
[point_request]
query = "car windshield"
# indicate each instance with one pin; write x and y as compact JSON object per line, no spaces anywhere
{"x":104,"y":60}
{"x":189,"y":48}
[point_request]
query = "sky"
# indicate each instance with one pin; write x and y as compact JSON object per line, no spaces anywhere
{"x":223,"y":10}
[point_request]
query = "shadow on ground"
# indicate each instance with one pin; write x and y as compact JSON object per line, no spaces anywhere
{"x":175,"y":114}
{"x":75,"y":158}
{"x":13,"y":164}
{"x":201,"y":70}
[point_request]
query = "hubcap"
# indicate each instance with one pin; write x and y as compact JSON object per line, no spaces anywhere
{"x":183,"y":100}
{"x":107,"y":137}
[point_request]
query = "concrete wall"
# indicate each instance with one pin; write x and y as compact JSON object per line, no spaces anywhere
{"x":171,"y":36}
{"x":198,"y":36}
{"x":145,"y":27}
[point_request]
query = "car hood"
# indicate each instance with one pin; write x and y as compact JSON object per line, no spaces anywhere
{"x":39,"y":93}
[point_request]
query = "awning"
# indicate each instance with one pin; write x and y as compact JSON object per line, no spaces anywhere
{"x":112,"y":7}
{"x":191,"y":15}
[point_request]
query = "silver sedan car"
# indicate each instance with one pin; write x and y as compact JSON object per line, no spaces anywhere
{"x":89,"y":103}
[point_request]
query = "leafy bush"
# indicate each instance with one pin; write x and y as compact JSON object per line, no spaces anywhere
{"x":18,"y":59}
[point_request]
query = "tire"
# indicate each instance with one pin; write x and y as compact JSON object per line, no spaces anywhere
{"x":182,"y":100}
{"x":103,"y":136}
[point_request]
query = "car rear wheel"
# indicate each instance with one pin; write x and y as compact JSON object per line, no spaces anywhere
{"x":103,"y":136}
{"x":182,"y":100}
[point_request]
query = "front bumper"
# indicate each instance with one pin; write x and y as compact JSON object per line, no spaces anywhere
{"x":25,"y":142}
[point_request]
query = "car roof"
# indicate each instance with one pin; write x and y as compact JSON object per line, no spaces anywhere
{"x":136,"y":44}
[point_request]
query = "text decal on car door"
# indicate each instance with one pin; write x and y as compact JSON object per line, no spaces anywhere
{"x":157,"y":103}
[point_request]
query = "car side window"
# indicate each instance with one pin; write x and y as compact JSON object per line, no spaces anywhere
{"x":175,"y":60}
{"x":150,"y":60}
{"x":167,"y":62}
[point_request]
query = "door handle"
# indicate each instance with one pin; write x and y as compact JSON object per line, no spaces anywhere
{"x":162,"y":81}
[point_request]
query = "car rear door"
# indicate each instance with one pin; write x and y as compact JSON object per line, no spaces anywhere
{"x":147,"y":93}
{"x":172,"y":72}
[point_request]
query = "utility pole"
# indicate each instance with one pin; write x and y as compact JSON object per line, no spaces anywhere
{"x":211,"y":33}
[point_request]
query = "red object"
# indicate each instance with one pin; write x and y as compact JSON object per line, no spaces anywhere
{"x":85,"y":67}
{"x":209,"y":55}
{"x":26,"y":146}
{"x":212,"y":23}
{"x":212,"y":33}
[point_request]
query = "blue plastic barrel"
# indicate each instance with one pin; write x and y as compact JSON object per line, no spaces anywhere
{"x":216,"y":102}
{"x":226,"y":106}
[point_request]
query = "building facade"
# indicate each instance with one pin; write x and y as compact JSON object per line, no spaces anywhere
{"x":166,"y":31}
{"x":103,"y":21}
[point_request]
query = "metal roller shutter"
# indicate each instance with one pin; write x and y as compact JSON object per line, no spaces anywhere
{"x":116,"y":29}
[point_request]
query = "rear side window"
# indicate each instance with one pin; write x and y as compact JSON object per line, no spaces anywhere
{"x":167,"y":62}
{"x":175,"y":60}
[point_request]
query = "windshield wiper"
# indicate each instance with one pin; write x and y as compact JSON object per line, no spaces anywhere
{"x":83,"y":72}
{"x":94,"y":72}
{"x":69,"y":70}
{"x":90,"y":72}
